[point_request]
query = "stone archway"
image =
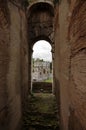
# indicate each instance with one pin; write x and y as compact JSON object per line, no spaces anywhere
{"x":40,"y":17}
{"x":42,"y":70}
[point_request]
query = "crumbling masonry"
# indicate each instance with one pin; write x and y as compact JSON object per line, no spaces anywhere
{"x":63,"y":25}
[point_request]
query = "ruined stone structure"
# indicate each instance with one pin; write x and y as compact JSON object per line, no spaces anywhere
{"x":63,"y":25}
{"x":13,"y":57}
{"x":40,"y":70}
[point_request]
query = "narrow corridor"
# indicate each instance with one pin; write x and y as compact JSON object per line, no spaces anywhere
{"x":41,"y":113}
{"x":61,"y":23}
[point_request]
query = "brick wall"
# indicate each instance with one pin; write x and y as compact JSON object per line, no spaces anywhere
{"x":78,"y":65}
{"x":70,"y":63}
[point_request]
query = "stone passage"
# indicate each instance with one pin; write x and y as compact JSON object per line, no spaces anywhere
{"x":41,"y":113}
{"x":63,"y":24}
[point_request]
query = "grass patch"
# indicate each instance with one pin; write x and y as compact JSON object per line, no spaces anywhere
{"x":48,"y":80}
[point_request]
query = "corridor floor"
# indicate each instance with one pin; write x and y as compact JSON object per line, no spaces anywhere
{"x":41,"y":113}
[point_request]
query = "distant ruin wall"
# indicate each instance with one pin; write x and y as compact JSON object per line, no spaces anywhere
{"x":42,"y":87}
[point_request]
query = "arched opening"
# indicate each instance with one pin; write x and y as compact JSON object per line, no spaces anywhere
{"x":42,"y":72}
{"x":40,"y":21}
{"x":41,"y":110}
{"x":42,"y":103}
{"x":41,"y":6}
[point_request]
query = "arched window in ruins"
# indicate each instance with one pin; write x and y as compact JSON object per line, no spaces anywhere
{"x":42,"y":59}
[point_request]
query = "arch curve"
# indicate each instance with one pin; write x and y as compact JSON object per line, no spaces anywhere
{"x":40,"y":22}
{"x":42,"y":37}
{"x":40,"y":5}
{"x":34,"y":3}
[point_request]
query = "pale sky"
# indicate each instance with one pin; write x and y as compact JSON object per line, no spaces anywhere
{"x":42,"y":50}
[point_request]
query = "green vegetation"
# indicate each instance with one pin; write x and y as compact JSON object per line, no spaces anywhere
{"x":48,"y":80}
{"x":41,"y":113}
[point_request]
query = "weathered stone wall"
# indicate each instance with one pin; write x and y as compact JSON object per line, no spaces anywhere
{"x":24,"y":60}
{"x":4,"y":62}
{"x":70,"y":63}
{"x":77,"y":35}
{"x":13,"y":44}
{"x":40,"y":22}
{"x":62,"y":61}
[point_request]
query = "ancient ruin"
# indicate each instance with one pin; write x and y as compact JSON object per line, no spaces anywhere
{"x":40,"y":70}
{"x":63,"y":24}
